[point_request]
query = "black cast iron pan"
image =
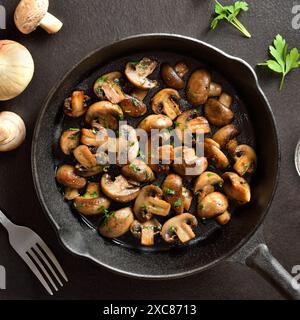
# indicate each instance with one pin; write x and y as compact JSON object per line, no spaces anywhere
{"x":239,"y":241}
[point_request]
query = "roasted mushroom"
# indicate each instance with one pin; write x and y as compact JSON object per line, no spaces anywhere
{"x":85,"y":157}
{"x":189,"y":123}
{"x":139,"y":94}
{"x":181,"y":69}
{"x":133,"y":107}
{"x":120,"y":190}
{"x":236,"y":187}
{"x":218,"y":112}
{"x":67,"y":176}
{"x":116,"y":223}
{"x":107,"y":87}
{"x":187,"y":198}
{"x":149,"y":203}
{"x":93,"y":137}
{"x":180,"y":227}
{"x":138,"y":171}
{"x":172,"y":190}
{"x":212,"y":205}
{"x":92,"y":202}
{"x":106,"y":113}
{"x":213,"y":152}
{"x":206,"y":182}
{"x":88,"y":172}
{"x":69,"y":140}
{"x":76,"y":105}
{"x":186,"y":163}
{"x":171,"y":77}
{"x":223,"y":218}
{"x":145,"y":231}
{"x":225,"y":134}
{"x":245,"y":159}
{"x":155,"y":121}
{"x":166,"y":101}
{"x":137,"y":73}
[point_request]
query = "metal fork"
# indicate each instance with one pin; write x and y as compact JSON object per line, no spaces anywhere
{"x":36,"y":254}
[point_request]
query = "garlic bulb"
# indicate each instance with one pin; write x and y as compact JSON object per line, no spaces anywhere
{"x":16,"y":69}
{"x":12,"y":131}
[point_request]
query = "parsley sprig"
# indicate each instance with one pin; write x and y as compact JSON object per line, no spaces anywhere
{"x":230,"y":14}
{"x":283,"y":61}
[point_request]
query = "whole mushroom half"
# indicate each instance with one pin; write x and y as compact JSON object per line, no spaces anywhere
{"x":137,"y":73}
{"x":236,"y":187}
{"x":66,"y":175}
{"x":12,"y":131}
{"x":173,"y":193}
{"x":92,"y":202}
{"x":149,"y":203}
{"x":206,"y":182}
{"x":200,"y":87}
{"x":16,"y":69}
{"x":31,"y":14}
{"x":138,"y":171}
{"x":155,"y":121}
{"x":245,"y":159}
{"x":133,"y":107}
{"x":116,"y":223}
{"x":119,"y":189}
{"x":173,"y":76}
{"x":69,"y":140}
{"x":179,"y":227}
{"x":85,"y":157}
{"x":105,"y":113}
{"x":214,"y":204}
{"x":76,"y":105}
{"x":218,"y":111}
{"x":94,"y":137}
{"x":107,"y":87}
{"x":146,"y":231}
{"x":213,"y":152}
{"x":225,"y":134}
{"x":166,"y":101}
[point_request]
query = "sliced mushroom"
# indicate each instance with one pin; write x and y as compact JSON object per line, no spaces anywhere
{"x":92,"y":202}
{"x":149,"y":203}
{"x":213,"y":152}
{"x":236,"y":187}
{"x":85,"y":157}
{"x":120,"y":189}
{"x":212,"y":205}
{"x":205,"y":183}
{"x":69,"y":140}
{"x":187,"y":198}
{"x":137,"y":73}
{"x":186,"y":163}
{"x":225,"y":134}
{"x":71,"y":193}
{"x":93,"y":137}
{"x":138,"y":171}
{"x":172,"y":190}
{"x":117,"y":223}
{"x":166,"y":101}
{"x":76,"y":105}
{"x":88,"y":172}
{"x":218,"y":112}
{"x":106,"y":113}
{"x":67,"y":176}
{"x":223,"y":218}
{"x":108,"y":87}
{"x":180,"y":227}
{"x":146,"y":231}
{"x":245,"y":159}
{"x":155,"y":121}
{"x":190,"y":122}
{"x":139,"y":94}
{"x":133,"y":107}
{"x":171,"y":77}
{"x":198,"y":87}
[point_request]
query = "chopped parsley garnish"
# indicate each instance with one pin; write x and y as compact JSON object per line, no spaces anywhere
{"x":201,"y":205}
{"x":210,"y":174}
{"x":134,"y":167}
{"x":141,"y":155}
{"x":73,"y":129}
{"x":169,"y":192}
{"x":177,"y":203}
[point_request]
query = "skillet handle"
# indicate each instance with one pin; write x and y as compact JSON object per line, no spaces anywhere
{"x":262,"y":261}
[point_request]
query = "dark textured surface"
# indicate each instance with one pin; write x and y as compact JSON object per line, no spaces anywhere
{"x":91,"y":24}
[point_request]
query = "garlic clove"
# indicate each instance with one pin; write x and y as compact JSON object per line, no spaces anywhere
{"x":12,"y":131}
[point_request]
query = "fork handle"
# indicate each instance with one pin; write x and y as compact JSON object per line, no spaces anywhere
{"x":5,"y":221}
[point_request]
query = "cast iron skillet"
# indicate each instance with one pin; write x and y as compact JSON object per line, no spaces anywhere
{"x":240,"y":241}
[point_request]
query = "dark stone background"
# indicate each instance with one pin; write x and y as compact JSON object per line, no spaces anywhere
{"x":93,"y":23}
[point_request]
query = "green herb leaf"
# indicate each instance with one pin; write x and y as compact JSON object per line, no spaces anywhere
{"x":177,"y":203}
{"x":284,"y":62}
{"x":169,"y":192}
{"x":134,"y":167}
{"x":230,"y":13}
